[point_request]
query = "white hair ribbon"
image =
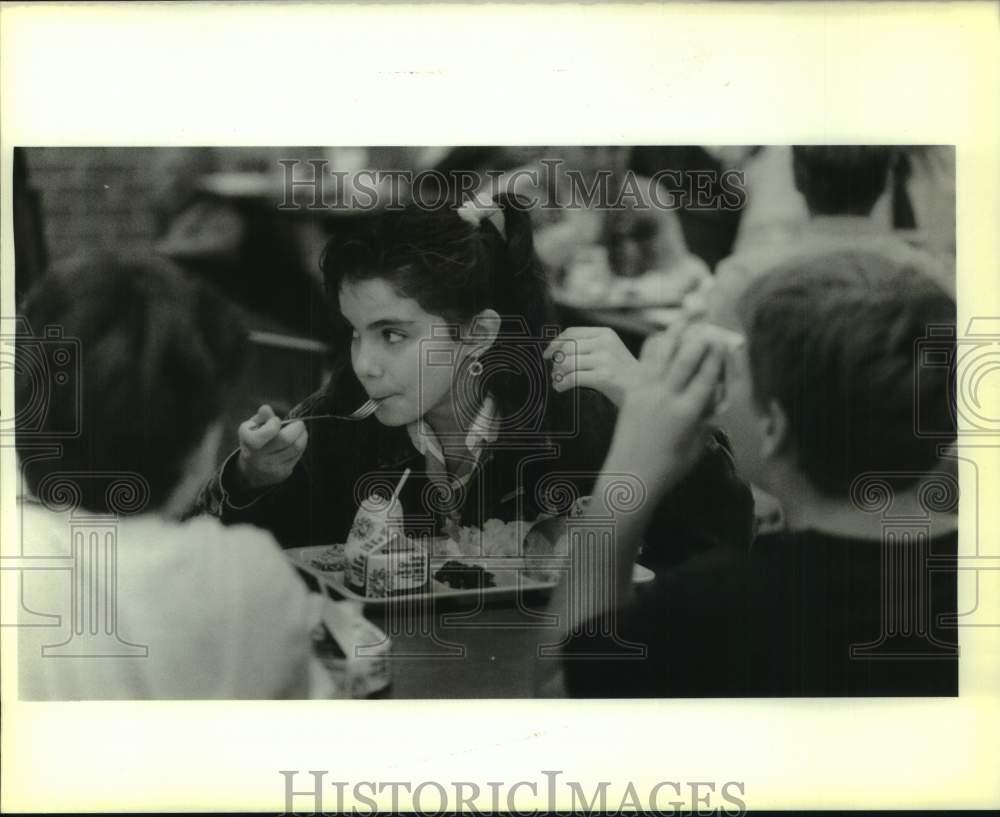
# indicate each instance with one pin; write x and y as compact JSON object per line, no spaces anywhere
{"x":480,"y":207}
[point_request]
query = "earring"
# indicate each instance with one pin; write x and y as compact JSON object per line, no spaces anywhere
{"x":475,"y":368}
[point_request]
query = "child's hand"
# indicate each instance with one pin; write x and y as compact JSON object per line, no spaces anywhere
{"x":593,"y":357}
{"x":661,"y":427}
{"x":268,"y":452}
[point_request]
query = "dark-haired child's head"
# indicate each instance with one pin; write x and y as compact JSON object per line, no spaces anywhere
{"x":827,"y":385}
{"x":158,"y":355}
{"x":432,"y":301}
{"x":841,"y":180}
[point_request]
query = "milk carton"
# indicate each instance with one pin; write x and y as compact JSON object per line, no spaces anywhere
{"x":381,"y":560}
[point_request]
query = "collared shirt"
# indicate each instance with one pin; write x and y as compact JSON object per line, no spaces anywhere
{"x":394,"y":449}
{"x":470,"y":457}
{"x":483,"y":430}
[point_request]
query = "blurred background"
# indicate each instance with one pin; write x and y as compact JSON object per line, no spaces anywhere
{"x":222,"y":215}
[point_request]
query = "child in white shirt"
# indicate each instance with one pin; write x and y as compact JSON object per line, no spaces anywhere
{"x":139,"y":604}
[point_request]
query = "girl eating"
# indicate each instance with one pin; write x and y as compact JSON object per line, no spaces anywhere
{"x":445,"y":321}
{"x":444,"y":318}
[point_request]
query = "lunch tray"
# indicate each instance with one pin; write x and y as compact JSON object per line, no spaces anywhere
{"x":508,"y":574}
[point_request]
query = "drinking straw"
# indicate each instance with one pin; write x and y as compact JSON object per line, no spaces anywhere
{"x":399,"y":487}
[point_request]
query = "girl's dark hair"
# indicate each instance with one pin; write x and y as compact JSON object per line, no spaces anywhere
{"x":127,"y":365}
{"x":455,"y":269}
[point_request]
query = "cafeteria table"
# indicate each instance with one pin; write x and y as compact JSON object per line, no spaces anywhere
{"x":475,"y":647}
{"x":456,"y":652}
{"x":463,"y":648}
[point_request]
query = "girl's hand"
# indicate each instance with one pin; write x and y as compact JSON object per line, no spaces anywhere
{"x":593,"y":357}
{"x":268,"y":452}
{"x":662,"y":424}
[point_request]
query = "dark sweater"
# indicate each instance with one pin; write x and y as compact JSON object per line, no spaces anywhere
{"x":793,"y":619}
{"x":710,"y":512}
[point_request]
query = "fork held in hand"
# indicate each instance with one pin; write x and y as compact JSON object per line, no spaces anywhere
{"x":360,"y":413}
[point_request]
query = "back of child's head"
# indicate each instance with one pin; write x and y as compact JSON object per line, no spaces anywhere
{"x":832,"y":339}
{"x":159,"y":354}
{"x":841,"y":179}
{"x":455,"y":268}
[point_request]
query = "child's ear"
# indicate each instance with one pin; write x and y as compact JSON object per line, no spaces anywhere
{"x":484,"y":328}
{"x":774,"y":430}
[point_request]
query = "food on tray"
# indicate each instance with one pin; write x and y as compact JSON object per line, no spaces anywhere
{"x":494,"y":539}
{"x":461,"y":576}
{"x":330,"y":560}
{"x":544,"y":540}
{"x":380,"y":560}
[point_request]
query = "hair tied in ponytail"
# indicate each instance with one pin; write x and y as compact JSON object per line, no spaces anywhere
{"x":479,"y":207}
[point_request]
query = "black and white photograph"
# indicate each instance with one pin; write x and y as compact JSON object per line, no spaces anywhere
{"x":570,"y":421}
{"x":380,"y":435}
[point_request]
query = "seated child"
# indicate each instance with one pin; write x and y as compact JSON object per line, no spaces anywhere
{"x":819,"y":406}
{"x":146,"y":606}
{"x":840,"y":186}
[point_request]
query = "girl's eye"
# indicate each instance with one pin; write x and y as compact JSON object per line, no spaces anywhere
{"x":392,"y":336}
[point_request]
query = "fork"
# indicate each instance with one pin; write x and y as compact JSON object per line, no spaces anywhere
{"x":363,"y":411}
{"x":367,"y":409}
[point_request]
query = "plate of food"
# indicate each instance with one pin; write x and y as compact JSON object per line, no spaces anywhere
{"x":447,"y":576}
{"x":379,"y":563}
